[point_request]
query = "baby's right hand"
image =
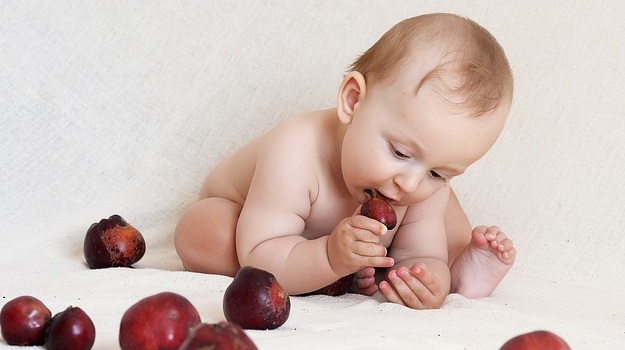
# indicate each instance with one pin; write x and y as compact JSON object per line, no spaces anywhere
{"x":355,"y":244}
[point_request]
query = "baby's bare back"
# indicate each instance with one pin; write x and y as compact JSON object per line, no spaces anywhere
{"x":231,"y":178}
{"x":308,"y":136}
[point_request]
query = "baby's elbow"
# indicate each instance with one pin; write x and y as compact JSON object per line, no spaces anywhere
{"x":255,"y":255}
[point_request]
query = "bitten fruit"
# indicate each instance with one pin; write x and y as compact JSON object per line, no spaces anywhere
{"x":255,"y":300}
{"x":23,"y":321}
{"x":380,"y":210}
{"x":158,"y":322}
{"x":113,"y":242}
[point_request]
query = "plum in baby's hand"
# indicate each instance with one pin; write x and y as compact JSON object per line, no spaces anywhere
{"x":380,"y":210}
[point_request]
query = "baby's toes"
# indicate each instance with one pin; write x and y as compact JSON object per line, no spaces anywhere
{"x":496,"y":237}
{"x":478,"y":237}
{"x":506,"y":244}
{"x":505,"y":249}
{"x":508,"y":255}
{"x":492,"y":233}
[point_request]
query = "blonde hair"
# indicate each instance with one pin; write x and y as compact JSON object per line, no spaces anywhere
{"x":472,"y":59}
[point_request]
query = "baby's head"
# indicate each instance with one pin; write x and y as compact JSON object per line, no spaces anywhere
{"x":461,"y":58}
{"x":420,"y":106}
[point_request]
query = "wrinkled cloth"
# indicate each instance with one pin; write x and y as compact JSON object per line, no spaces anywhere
{"x":119,"y":107}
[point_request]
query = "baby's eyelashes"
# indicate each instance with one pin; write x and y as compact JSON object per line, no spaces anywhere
{"x":401,"y":155}
{"x":434,"y":174}
{"x":438,"y":176}
{"x":397,"y":152}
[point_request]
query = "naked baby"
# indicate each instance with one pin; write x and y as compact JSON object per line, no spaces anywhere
{"x":425,"y":102}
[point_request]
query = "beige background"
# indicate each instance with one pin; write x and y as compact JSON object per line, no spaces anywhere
{"x":123,"y":107}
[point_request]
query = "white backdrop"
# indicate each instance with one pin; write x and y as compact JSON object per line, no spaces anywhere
{"x":123,"y":107}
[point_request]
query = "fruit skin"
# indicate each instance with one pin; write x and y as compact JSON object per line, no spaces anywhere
{"x":380,"y":210}
{"x":340,"y":287}
{"x":219,"y":336}
{"x":158,"y":322}
{"x":113,"y":242}
{"x":536,"y":340}
{"x":23,"y":321}
{"x":70,"y":329}
{"x":255,"y":300}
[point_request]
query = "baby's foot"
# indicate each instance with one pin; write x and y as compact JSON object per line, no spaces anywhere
{"x":483,"y":264}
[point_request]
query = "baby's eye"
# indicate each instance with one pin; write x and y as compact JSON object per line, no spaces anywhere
{"x":401,"y":155}
{"x":435,"y":175}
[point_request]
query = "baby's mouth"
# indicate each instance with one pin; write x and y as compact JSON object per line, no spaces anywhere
{"x":373,"y":193}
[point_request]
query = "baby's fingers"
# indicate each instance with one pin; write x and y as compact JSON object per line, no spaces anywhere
{"x":416,"y":288}
{"x":432,"y":286}
{"x":370,"y":226}
{"x":372,"y":254}
{"x":391,"y":294}
{"x":364,"y":281}
{"x":365,"y":273}
{"x":377,"y":261}
{"x":412,"y":292}
{"x":369,"y":249}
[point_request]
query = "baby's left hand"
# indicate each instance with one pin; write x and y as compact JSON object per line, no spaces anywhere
{"x":364,"y":282}
{"x":417,"y":288}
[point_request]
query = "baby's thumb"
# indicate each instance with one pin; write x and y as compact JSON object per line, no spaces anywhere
{"x":377,"y":231}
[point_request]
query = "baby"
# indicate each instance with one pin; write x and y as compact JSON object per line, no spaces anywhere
{"x":425,"y":102}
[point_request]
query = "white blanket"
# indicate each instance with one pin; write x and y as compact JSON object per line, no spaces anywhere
{"x":124,"y":106}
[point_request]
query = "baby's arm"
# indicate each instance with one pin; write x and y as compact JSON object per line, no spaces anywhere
{"x":270,"y":227}
{"x":303,"y":265}
{"x":420,"y":278}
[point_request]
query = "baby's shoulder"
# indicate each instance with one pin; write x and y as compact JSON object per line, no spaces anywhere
{"x":289,"y":157}
{"x":307,"y":124}
{"x":300,"y":135}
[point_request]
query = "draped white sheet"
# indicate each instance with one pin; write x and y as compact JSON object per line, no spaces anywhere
{"x":123,"y":107}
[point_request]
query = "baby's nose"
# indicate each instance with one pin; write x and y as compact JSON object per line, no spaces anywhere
{"x":408,"y":182}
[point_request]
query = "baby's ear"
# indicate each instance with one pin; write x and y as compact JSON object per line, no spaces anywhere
{"x":351,"y":92}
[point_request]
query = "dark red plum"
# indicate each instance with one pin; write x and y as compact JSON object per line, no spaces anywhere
{"x":219,"y":336}
{"x":70,"y":329}
{"x":380,"y":210}
{"x":541,"y":339}
{"x":23,"y":321}
{"x":158,"y":322}
{"x":255,"y":300}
